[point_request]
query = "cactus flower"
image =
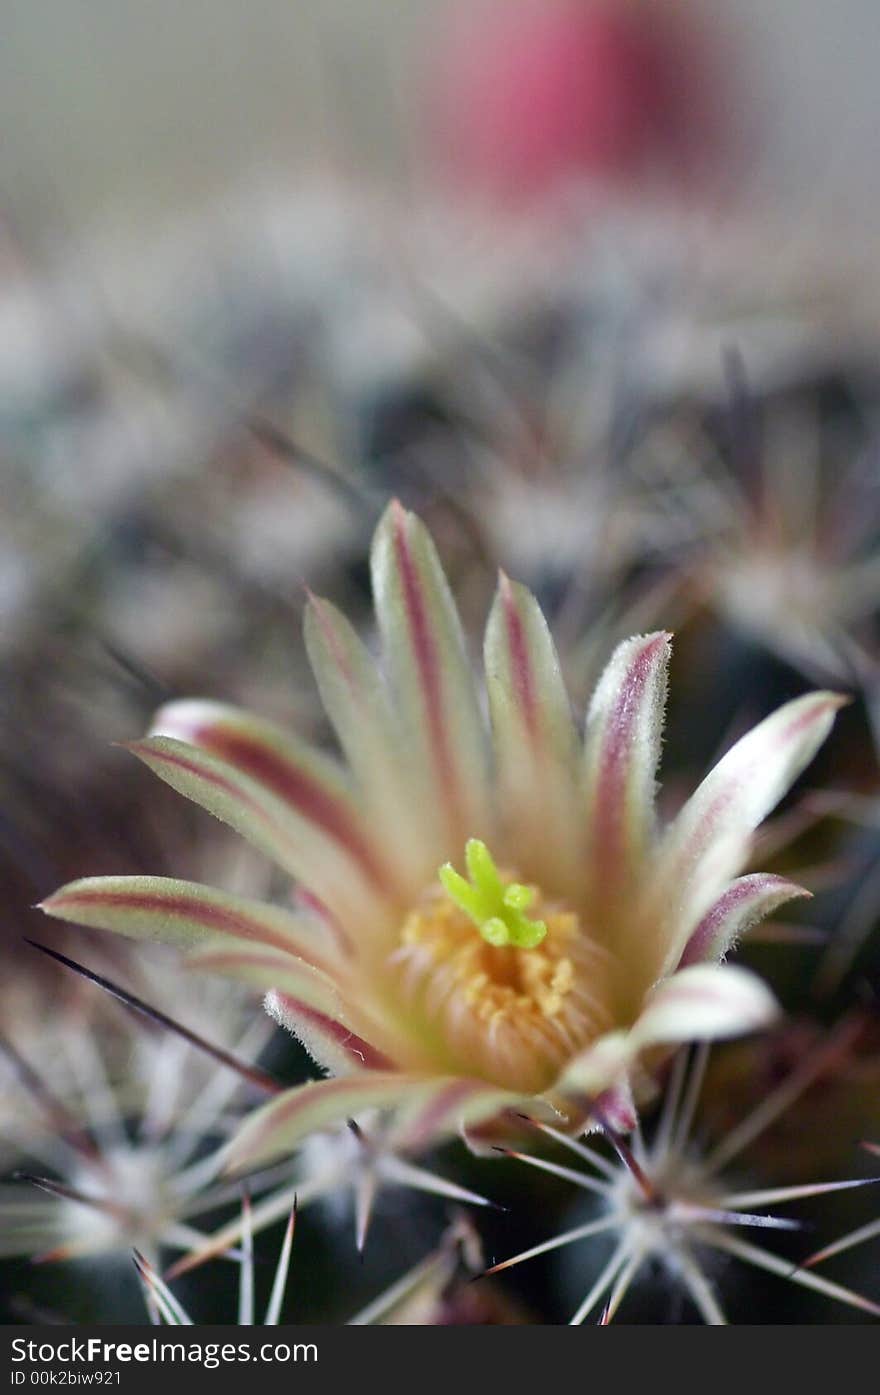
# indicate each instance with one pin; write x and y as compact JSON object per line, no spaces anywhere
{"x":490,"y":916}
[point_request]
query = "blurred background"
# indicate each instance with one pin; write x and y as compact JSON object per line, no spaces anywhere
{"x":594,"y":285}
{"x":127,"y":111}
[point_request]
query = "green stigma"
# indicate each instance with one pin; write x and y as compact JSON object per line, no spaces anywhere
{"x":498,"y":911}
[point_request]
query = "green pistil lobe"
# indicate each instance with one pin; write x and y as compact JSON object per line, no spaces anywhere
{"x":498,"y":911}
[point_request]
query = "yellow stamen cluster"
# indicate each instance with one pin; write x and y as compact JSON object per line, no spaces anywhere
{"x":513,"y":1012}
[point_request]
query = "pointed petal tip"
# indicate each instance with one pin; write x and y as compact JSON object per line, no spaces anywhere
{"x":405,"y":525}
{"x":395,"y":516}
{"x":133,"y":747}
{"x":53,"y":904}
{"x":648,"y":643}
{"x":705,"y":1002}
{"x":508,"y":587}
{"x":824,"y":702}
{"x":744,"y":904}
{"x":822,"y":706}
{"x":511,"y":594}
{"x":314,"y":602}
{"x":128,"y":746}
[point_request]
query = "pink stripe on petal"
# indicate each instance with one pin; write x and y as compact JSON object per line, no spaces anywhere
{"x":268,"y":970}
{"x":624,"y":726}
{"x":212,"y":917}
{"x":426,"y":658}
{"x":449,"y":1106}
{"x":741,"y":906}
{"x":315,"y":906}
{"x":742,"y":771}
{"x":332,"y":642}
{"x":298,"y":1015}
{"x":622,"y":733}
{"x":184,"y":914}
{"x":281,"y":1126}
{"x":294,"y":786}
{"x":522,"y":673}
{"x":439,"y":733}
{"x":536,"y":744}
{"x":357,"y":702}
{"x":709,"y":840}
{"x":282,"y":832}
{"x":153,"y":754}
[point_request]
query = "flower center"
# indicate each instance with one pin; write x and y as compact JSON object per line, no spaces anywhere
{"x":512,"y":1005}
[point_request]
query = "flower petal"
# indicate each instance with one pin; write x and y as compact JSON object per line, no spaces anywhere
{"x":709,"y":840}
{"x":268,"y":969}
{"x":742,"y":905}
{"x":324,"y":1012}
{"x":186,"y":914}
{"x":622,"y":749}
{"x":448,"y":1106}
{"x":431,"y":679}
{"x":330,"y":1042}
{"x":291,"y":805}
{"x":357,"y":704}
{"x":536,"y":745}
{"x":280,"y":1126}
{"x":703,"y":1003}
{"x":601,"y":1066}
